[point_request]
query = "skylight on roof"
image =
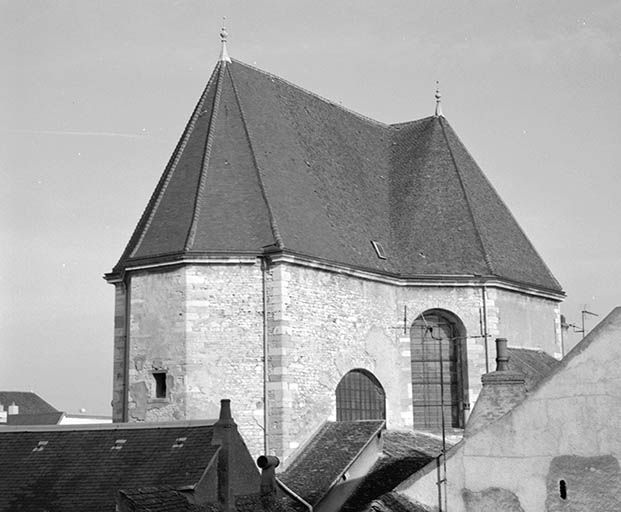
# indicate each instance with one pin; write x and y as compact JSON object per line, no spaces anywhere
{"x":379,"y":250}
{"x":40,"y":446}
{"x":118,"y":444}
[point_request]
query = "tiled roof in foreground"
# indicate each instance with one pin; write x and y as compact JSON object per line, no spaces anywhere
{"x":264,"y":163}
{"x":327,"y":456}
{"x":403,"y":454}
{"x":74,"y":469}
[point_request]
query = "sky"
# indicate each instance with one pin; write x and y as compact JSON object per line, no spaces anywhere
{"x":96,"y":94}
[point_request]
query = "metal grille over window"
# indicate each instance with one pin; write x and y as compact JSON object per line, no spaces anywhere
{"x":360,"y":396}
{"x":438,"y":372}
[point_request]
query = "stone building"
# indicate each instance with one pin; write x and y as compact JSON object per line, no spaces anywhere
{"x":315,"y":264}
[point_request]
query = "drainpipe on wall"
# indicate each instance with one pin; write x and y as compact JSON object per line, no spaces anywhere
{"x":484,"y":296}
{"x":126,"y":288}
{"x":264,"y":270}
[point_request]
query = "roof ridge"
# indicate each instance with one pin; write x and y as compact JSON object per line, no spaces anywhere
{"x":315,"y":95}
{"x":108,"y":426}
{"x":463,"y":188}
{"x":189,"y":242}
{"x":270,"y":213}
{"x":147,"y":216}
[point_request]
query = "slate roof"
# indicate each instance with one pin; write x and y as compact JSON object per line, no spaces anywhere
{"x":46,"y":418}
{"x":264,"y":163}
{"x":82,"y":468}
{"x":532,"y":363}
{"x":403,"y":454}
{"x":27,"y":401}
{"x":327,"y":456}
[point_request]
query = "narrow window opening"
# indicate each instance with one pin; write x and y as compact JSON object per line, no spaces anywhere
{"x":562,"y":488}
{"x":160,"y":384}
{"x":379,"y":250}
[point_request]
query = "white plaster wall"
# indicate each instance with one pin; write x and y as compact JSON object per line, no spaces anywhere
{"x":577,"y":412}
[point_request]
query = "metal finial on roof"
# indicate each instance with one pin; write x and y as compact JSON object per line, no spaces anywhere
{"x":224,"y":55}
{"x":438,"y":97}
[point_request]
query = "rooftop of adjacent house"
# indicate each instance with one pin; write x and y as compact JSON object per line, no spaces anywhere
{"x":534,"y":364}
{"x":27,"y":402}
{"x":403,"y":454}
{"x":264,"y":165}
{"x":79,"y":468}
{"x":327,"y":456}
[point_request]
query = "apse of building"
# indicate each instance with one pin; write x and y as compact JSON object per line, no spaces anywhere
{"x":311,"y":264}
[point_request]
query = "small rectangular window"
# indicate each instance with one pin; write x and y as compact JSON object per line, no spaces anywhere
{"x":379,"y":250}
{"x":160,"y":384}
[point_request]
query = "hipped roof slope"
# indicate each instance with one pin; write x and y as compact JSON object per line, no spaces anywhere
{"x":265,"y":164}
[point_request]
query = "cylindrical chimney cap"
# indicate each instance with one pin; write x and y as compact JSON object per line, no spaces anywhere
{"x":268,"y":461}
{"x":502,"y":355}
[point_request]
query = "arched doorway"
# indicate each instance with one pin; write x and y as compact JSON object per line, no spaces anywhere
{"x":439,"y":371}
{"x":360,"y":396}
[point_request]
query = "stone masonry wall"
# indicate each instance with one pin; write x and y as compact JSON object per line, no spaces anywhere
{"x":118,"y":364}
{"x":528,"y":321}
{"x":324,"y":324}
{"x":203,"y":326}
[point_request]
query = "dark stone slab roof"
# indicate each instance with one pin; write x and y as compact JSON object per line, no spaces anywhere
{"x":403,"y":454}
{"x":27,"y":401}
{"x":78,"y":469}
{"x":533,"y":364}
{"x":264,"y":163}
{"x":327,"y":456}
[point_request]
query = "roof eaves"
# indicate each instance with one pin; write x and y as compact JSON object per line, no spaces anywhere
{"x":273,"y":224}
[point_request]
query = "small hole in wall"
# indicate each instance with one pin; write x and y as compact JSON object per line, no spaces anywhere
{"x":562,"y":489}
{"x":160,"y":384}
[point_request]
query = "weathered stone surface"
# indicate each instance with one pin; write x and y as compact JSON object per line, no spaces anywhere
{"x":590,"y":483}
{"x":492,"y":499}
{"x":203,"y":325}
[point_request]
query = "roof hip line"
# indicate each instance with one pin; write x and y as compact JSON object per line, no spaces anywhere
{"x":273,"y":225}
{"x":189,"y":242}
{"x":158,"y":193}
{"x":463,"y":188}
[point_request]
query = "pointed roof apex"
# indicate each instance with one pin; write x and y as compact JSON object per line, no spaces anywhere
{"x":224,"y":55}
{"x":438,"y":97}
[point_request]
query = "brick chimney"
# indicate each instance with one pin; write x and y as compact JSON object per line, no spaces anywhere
{"x":268,"y":465}
{"x":502,"y":391}
{"x":222,"y":435}
{"x":13,"y":409}
{"x":3,"y":415}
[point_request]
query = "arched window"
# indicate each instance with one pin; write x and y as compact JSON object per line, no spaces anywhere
{"x":360,"y":396}
{"x":439,"y":373}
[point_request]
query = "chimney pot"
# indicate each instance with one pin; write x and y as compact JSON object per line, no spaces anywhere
{"x":502,"y":355}
{"x":268,"y":465}
{"x":225,"y":409}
